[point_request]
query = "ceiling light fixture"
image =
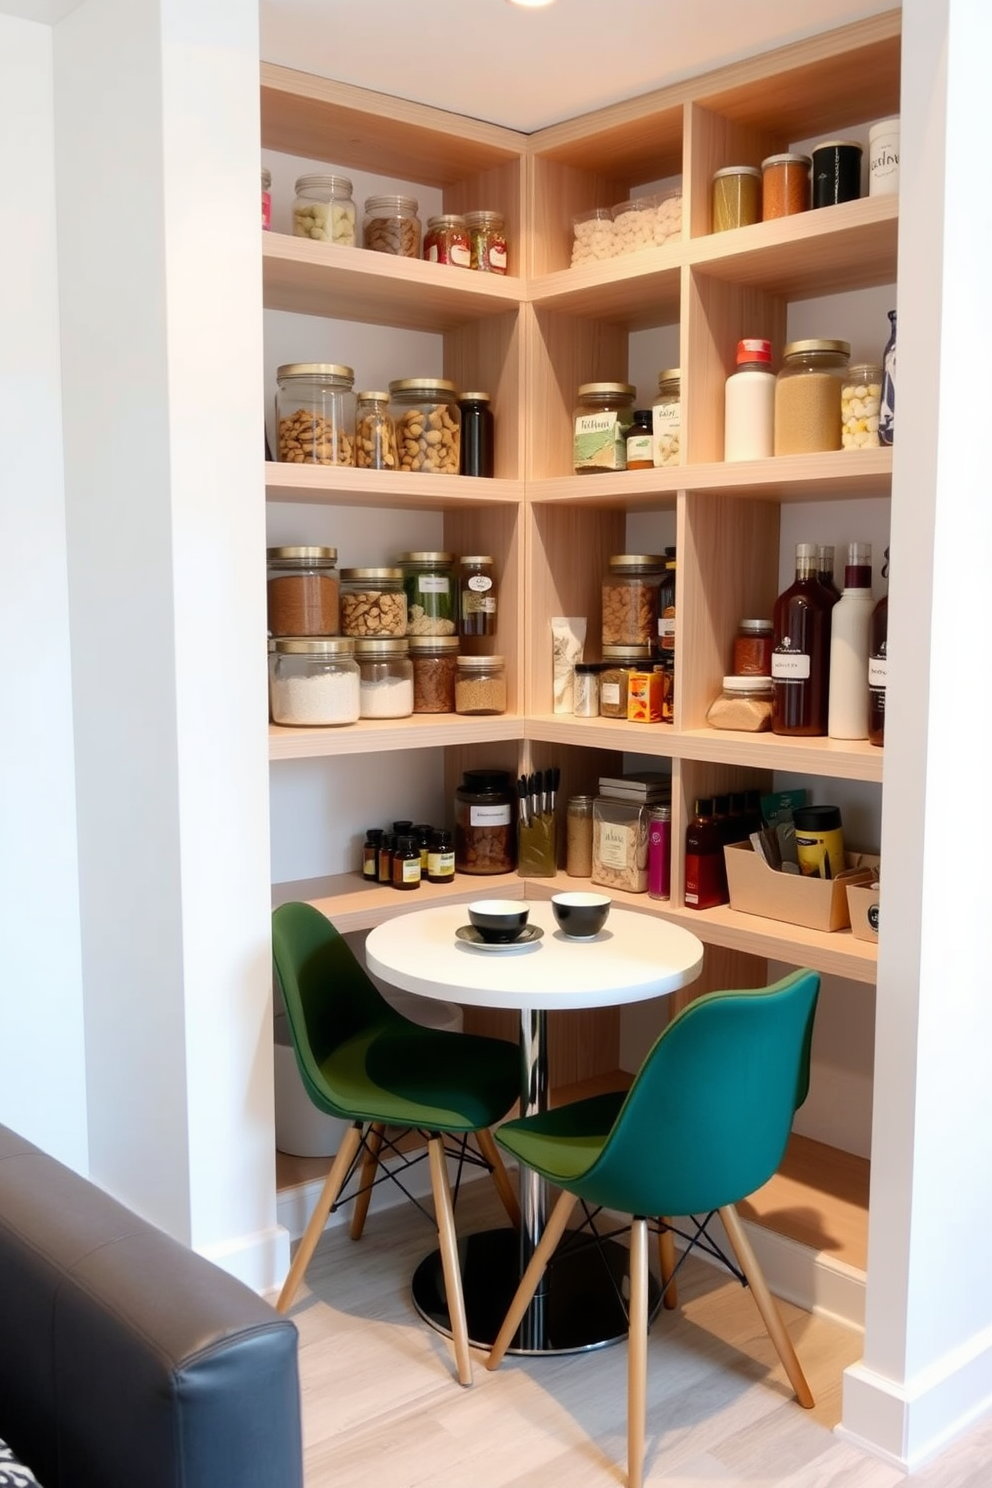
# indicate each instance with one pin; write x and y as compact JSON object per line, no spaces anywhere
{"x":531,"y":4}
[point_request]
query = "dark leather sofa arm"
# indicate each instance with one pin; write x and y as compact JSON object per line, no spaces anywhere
{"x":125,"y":1358}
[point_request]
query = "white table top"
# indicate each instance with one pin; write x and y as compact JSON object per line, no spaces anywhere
{"x":633,"y":958}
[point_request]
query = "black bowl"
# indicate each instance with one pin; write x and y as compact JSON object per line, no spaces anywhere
{"x":580,"y":915}
{"x":499,"y":920}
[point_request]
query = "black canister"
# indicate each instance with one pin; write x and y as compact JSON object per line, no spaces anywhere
{"x":477,"y":447}
{"x":485,"y":838}
{"x":836,"y":172}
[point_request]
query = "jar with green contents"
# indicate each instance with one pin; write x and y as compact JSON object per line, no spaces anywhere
{"x":604,"y":412}
{"x":431,"y":595}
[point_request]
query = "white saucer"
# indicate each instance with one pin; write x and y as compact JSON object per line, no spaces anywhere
{"x":528,"y":936}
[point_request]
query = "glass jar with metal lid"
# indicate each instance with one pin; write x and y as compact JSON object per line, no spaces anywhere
{"x":435,"y":663}
{"x":315,"y":413}
{"x":313,"y":683}
{"x":375,"y":436}
{"x":446,"y":241}
{"x":488,"y":241}
{"x":477,"y":594}
{"x":485,"y":840}
{"x":386,"y":689}
{"x":373,"y":602}
{"x":480,"y":684}
{"x":391,"y":225}
{"x":736,"y":197}
{"x":667,"y":417}
{"x":324,"y":210}
{"x":808,"y":396}
{"x":303,"y":592}
{"x":428,"y":424}
{"x":618,"y":663}
{"x":431,"y":596}
{"x":630,"y":599}
{"x":603,"y":414}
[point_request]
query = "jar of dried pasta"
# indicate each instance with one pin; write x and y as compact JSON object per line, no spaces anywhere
{"x":618,"y":663}
{"x":630,"y":598}
{"x":315,"y":413}
{"x":428,"y":424}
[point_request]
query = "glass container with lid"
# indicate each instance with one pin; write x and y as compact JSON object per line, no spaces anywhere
{"x":477,"y":594}
{"x":303,"y":592}
{"x":391,"y":225}
{"x":808,"y":392}
{"x":324,"y":210}
{"x":753,"y":646}
{"x":745,"y":703}
{"x":428,"y":424}
{"x":861,"y":406}
{"x":435,"y":663}
{"x":315,"y":413}
{"x":446,"y":241}
{"x":578,"y":826}
{"x":487,"y":236}
{"x":386,"y":677}
{"x":603,"y":414}
{"x":736,"y":197}
{"x":373,"y":602}
{"x":667,"y":417}
{"x":630,"y":599}
{"x":478,"y":451}
{"x":618,"y":663}
{"x":375,"y":436}
{"x":480,"y":685}
{"x":313,"y":683}
{"x":784,"y":185}
{"x":485,"y":840}
{"x":431,"y":595}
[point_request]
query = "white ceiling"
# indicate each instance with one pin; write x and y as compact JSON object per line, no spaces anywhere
{"x":525,"y":69}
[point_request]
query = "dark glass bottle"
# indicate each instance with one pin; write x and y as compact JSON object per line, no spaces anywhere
{"x":441,"y":857}
{"x":666,"y":607}
{"x":406,"y":864}
{"x":422,"y":834}
{"x":386,"y":857}
{"x":801,"y":658}
{"x":878,"y":640}
{"x":752,"y":813}
{"x":825,"y":570}
{"x":478,"y":454}
{"x":370,"y":854}
{"x":705,"y":870}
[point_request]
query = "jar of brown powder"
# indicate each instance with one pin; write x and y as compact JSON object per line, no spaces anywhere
{"x":808,"y":392}
{"x":435,"y":662}
{"x":303,"y":592}
{"x":480,"y":685}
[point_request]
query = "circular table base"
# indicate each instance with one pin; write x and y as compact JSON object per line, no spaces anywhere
{"x":581,"y":1306}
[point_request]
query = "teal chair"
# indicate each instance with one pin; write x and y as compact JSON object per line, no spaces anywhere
{"x":704,"y":1124}
{"x":362,"y":1061}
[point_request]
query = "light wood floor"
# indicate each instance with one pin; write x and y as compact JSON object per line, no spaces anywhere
{"x":381,"y":1407}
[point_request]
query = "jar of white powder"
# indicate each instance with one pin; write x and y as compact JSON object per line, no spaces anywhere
{"x":313,"y":683}
{"x":386,"y":677}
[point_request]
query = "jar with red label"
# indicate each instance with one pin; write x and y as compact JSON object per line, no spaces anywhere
{"x":446,"y":241}
{"x":488,"y":241}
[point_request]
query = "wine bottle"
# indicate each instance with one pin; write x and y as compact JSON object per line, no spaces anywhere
{"x":801,"y":656}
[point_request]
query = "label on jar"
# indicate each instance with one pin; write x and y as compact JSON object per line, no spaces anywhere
{"x":667,"y":432}
{"x":639,"y":448}
{"x":609,"y":693}
{"x":489,"y":816}
{"x":790,"y":666}
{"x":878,"y":671}
{"x":433,"y":584}
{"x":480,"y":583}
{"x":441,"y":864}
{"x":411,"y":870}
{"x":600,"y":442}
{"x":666,"y":628}
{"x":613,"y":844}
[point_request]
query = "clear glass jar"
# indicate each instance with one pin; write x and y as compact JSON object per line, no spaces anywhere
{"x":373,"y":603}
{"x":428,"y":424}
{"x":480,"y":684}
{"x":315,"y":414}
{"x":485,"y":840}
{"x":487,"y":237}
{"x":784,"y":185}
{"x":633,"y":224}
{"x":594,"y":237}
{"x":324,"y":210}
{"x":477,"y":595}
{"x":391,"y":225}
{"x":578,"y":828}
{"x":603,"y":414}
{"x":808,"y":396}
{"x":266,"y":199}
{"x":745,"y":703}
{"x":386,"y":678}
{"x":375,"y":436}
{"x":435,"y":664}
{"x":303,"y":592}
{"x":431,"y":596}
{"x":753,"y":645}
{"x":313,"y":683}
{"x":736,"y":197}
{"x":447,"y":241}
{"x":630,"y":599}
{"x":861,"y":406}
{"x":585,"y":689}
{"x":620,"y":844}
{"x":618,"y":663}
{"x":667,"y":417}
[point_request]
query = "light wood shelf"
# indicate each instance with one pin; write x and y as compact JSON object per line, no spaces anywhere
{"x":344,"y":485}
{"x":353,"y":904}
{"x":386,"y":735}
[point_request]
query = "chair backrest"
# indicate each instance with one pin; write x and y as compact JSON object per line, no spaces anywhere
{"x":329,"y":998}
{"x":708,"y":1116}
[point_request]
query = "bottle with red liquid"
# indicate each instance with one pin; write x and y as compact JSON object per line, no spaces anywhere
{"x":705,"y":869}
{"x":878,"y":640}
{"x":801,"y":655}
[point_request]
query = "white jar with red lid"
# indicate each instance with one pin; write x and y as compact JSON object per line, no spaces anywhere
{"x":749,"y":408}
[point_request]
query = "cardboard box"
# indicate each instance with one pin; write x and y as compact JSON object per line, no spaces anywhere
{"x":862,"y":902}
{"x":817,"y":903}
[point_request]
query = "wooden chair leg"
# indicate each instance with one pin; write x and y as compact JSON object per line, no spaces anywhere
{"x":765,"y":1302}
{"x":370,"y":1162}
{"x":449,"y":1257}
{"x":666,"y":1265}
{"x":553,"y":1231}
{"x":637,"y":1352}
{"x":333,"y":1184}
{"x":501,"y":1178}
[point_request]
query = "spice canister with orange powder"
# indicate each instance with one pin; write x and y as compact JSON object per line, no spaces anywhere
{"x":784,"y":185}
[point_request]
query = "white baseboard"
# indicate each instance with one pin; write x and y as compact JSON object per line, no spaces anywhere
{"x":260,"y":1260}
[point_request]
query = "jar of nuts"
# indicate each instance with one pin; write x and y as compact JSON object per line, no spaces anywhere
{"x":315,"y":414}
{"x":428,"y":425}
{"x":485,"y":840}
{"x":391,"y":225}
{"x":375,"y":436}
{"x":323,"y":210}
{"x":373,"y":602}
{"x":630,"y":599}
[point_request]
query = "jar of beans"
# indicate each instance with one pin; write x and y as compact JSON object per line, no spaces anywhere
{"x":630,"y":599}
{"x":446,"y":241}
{"x":428,"y":424}
{"x":303,"y":592}
{"x":391,"y":225}
{"x":435,"y":663}
{"x":315,"y":413}
{"x":808,"y":396}
{"x":373,"y":602}
{"x":480,"y":685}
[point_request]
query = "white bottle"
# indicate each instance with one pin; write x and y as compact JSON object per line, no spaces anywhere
{"x":850,"y":630}
{"x":749,"y":408}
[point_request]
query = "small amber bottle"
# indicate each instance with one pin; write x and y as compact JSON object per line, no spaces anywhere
{"x":441,"y":857}
{"x":370,"y":854}
{"x":406,"y":864}
{"x":386,"y":857}
{"x":640,"y":452}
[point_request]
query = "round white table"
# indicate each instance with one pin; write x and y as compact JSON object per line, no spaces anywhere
{"x":634,"y":957}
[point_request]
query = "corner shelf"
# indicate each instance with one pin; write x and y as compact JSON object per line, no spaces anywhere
{"x":344,"y":485}
{"x":385,"y":735}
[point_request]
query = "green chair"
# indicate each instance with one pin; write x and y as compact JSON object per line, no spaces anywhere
{"x":362,"y":1061}
{"x":704,"y":1124}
